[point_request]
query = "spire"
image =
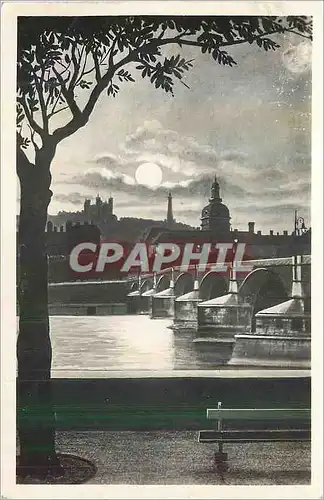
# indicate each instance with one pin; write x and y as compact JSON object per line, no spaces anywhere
{"x":170,"y":219}
{"x":215,"y":196}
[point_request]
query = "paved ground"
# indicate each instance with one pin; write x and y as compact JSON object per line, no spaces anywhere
{"x":169,"y":457}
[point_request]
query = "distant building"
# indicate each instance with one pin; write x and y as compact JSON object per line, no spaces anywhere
{"x":215,"y":216}
{"x":101,"y":214}
{"x":216,"y":228}
{"x":100,"y":211}
{"x":98,"y":222}
{"x":170,"y":220}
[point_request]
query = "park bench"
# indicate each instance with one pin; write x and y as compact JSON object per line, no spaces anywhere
{"x":279,"y":434}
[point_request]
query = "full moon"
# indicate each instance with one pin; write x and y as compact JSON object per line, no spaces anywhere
{"x":148,"y":174}
{"x":298,"y":59}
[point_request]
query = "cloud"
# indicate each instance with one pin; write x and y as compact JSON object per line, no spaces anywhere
{"x":169,"y":147}
{"x":142,"y":133}
{"x":183,"y":158}
{"x":107,"y":160}
{"x":197,"y":187}
{"x":250,"y":125}
{"x":188,"y":170}
{"x":73,"y":198}
{"x":115,"y":178}
{"x":118,"y":183}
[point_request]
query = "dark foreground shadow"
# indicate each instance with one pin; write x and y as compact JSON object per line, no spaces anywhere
{"x":77,"y":470}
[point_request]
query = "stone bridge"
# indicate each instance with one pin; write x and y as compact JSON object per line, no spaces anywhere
{"x":264,"y":312}
{"x":269,"y":282}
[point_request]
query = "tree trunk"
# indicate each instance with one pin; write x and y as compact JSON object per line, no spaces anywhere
{"x":35,"y":415}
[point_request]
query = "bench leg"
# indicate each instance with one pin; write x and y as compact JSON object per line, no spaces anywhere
{"x":220,"y":456}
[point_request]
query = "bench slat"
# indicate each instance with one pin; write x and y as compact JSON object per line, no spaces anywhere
{"x":259,"y":414}
{"x":248,"y":436}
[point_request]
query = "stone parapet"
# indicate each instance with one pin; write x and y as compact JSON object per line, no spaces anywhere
{"x":271,"y":350}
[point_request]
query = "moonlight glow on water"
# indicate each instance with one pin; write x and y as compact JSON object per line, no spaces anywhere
{"x":127,"y":343}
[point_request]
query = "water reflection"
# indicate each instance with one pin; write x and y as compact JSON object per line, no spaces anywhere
{"x":128,"y":343}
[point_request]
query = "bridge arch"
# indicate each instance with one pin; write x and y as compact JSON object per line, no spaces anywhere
{"x":146,"y":285}
{"x":163,"y":283}
{"x":134,"y":286}
{"x":183,"y":284}
{"x":262,"y":288}
{"x":212,"y":285}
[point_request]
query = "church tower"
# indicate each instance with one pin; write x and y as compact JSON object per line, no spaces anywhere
{"x":111,"y":205}
{"x":170,"y":219}
{"x":215,"y":216}
{"x":86,"y":209}
{"x":98,"y":207}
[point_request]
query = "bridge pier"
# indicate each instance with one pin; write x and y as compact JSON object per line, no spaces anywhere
{"x":138,"y":303}
{"x":139,"y":300}
{"x":282,"y":336}
{"x":185,"y":309}
{"x":163,"y":302}
{"x":256,"y":318}
{"x":221,"y":318}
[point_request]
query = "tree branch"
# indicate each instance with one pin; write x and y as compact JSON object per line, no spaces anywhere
{"x":281,"y":29}
{"x":104,"y":57}
{"x":54,"y":111}
{"x":58,"y":111}
{"x":80,"y":118}
{"x":30,"y":118}
{"x":309,"y":37}
{"x":39,"y":89}
{"x":76,"y":64}
{"x":193,"y":43}
{"x":32,"y":135}
{"x":97,"y":68}
{"x":83,"y":73}
{"x":68,"y":95}
{"x":66,"y":68}
{"x":111,"y":55}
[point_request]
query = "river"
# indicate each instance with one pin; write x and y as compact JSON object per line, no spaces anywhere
{"x":128,"y":343}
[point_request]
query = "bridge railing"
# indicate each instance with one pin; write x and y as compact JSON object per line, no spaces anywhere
{"x":278,"y":261}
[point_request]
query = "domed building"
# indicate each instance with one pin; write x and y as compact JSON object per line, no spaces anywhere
{"x":216,"y":228}
{"x":215,"y":216}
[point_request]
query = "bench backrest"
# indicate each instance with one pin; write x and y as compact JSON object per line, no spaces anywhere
{"x":259,"y":414}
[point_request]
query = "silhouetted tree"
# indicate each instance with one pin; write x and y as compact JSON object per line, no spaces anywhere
{"x":58,"y":59}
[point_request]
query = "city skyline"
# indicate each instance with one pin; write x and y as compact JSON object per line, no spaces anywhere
{"x":251,"y":129}
{"x":169,"y":216}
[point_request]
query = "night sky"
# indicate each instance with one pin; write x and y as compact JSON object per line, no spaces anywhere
{"x":249,"y":124}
